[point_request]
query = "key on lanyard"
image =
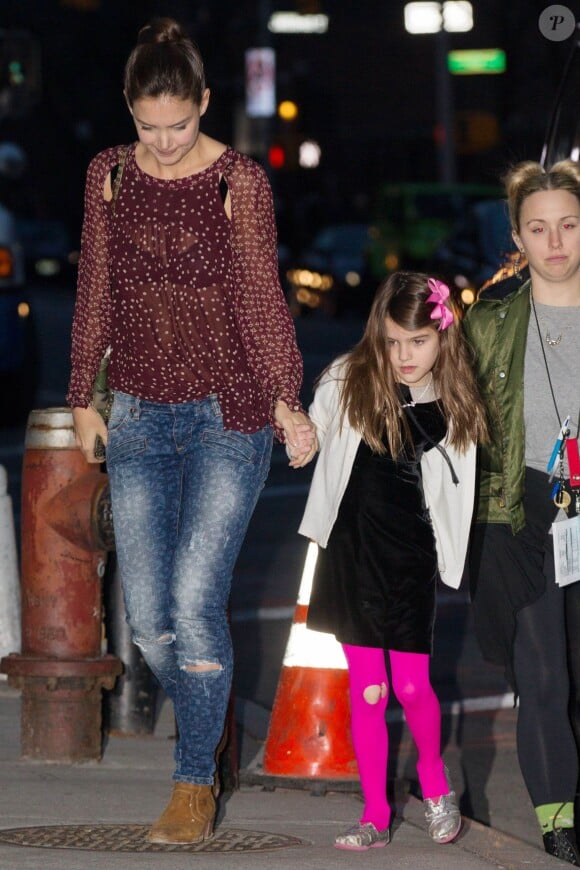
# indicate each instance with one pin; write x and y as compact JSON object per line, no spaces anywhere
{"x":562,"y":435}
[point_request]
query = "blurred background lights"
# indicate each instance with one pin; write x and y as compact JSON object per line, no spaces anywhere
{"x":428,"y":17}
{"x":6,"y":262}
{"x":458,"y":16}
{"x":276,"y":156}
{"x":423,"y":17}
{"x":468,"y":296}
{"x":309,"y":154}
{"x":288,"y":110}
{"x":47,"y":267}
{"x":293,"y":22}
{"x":15,"y":73}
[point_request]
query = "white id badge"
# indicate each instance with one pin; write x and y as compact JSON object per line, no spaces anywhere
{"x":566,"y":534}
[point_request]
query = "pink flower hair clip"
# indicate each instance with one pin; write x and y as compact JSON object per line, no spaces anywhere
{"x":439,"y":294}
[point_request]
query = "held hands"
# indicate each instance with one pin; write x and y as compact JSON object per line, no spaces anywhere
{"x":88,"y":423}
{"x":299,"y":433}
{"x":298,"y":430}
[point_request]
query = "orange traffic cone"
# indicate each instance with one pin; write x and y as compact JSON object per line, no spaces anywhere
{"x":308,"y":740}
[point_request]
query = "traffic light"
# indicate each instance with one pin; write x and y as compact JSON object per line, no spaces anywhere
{"x":20,"y":73}
{"x":276,"y":156}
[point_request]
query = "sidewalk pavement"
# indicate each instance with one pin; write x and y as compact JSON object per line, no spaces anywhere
{"x":108,"y":801}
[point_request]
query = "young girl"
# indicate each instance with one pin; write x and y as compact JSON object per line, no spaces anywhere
{"x":390,"y":506}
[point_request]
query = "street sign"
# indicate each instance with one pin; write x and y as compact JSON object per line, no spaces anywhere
{"x":476,"y":61}
{"x":260,"y":82}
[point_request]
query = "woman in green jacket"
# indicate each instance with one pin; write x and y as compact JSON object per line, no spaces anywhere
{"x":527,"y":348}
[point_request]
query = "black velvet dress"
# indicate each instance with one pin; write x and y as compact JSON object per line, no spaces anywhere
{"x":375,"y":582}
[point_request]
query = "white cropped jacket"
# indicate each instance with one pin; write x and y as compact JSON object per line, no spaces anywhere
{"x":450,"y":505}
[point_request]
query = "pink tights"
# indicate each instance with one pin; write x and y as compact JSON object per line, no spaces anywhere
{"x":369,"y":690}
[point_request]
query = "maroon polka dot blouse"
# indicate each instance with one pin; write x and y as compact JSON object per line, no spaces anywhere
{"x":188,"y":300}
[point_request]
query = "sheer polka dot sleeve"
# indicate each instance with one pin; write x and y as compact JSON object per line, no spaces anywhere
{"x":262,"y":313}
{"x":92,"y":315}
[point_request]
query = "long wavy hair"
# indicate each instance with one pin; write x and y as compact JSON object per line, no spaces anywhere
{"x":370,"y":394}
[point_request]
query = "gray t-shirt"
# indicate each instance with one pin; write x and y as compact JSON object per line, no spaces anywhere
{"x":559,"y":335}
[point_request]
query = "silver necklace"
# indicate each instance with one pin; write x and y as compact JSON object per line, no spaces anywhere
{"x":551,"y":342}
{"x":416,"y":399}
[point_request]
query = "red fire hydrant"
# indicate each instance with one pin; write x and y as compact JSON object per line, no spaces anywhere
{"x":66,"y":531}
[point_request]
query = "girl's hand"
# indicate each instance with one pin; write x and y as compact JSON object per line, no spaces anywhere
{"x":299,"y":434}
{"x":89,"y":424}
{"x":303,"y":450}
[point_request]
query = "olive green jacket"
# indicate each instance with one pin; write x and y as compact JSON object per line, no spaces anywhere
{"x":496,"y":327}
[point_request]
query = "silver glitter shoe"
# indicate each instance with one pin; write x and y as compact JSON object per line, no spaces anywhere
{"x":363,"y":836}
{"x":443,"y":816}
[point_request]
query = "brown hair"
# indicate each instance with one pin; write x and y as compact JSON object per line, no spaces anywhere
{"x":530,"y":177}
{"x":370,"y":395}
{"x":165,"y":61}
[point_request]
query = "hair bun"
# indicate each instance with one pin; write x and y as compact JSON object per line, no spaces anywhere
{"x":161,"y":30}
{"x":165,"y":61}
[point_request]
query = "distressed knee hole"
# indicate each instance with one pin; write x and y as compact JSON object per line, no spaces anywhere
{"x":201,"y":667}
{"x":373,"y":694}
{"x":145,"y":643}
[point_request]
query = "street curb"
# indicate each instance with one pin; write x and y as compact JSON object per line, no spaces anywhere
{"x":501,"y":849}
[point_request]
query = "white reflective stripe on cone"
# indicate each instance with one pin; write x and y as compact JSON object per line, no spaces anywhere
{"x":307,"y":648}
{"x":305,"y":590}
{"x":313,"y":649}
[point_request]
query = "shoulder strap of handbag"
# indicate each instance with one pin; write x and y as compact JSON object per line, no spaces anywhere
{"x":434,"y":443}
{"x":117,"y":175}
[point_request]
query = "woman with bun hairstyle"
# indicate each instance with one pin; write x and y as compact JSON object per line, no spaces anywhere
{"x":178,"y":277}
{"x":390,"y":506}
{"x":527,"y":349}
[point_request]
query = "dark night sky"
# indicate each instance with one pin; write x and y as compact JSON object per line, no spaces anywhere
{"x":366,"y":89}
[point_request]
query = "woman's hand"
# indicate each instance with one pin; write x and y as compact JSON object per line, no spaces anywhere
{"x":299,"y":434}
{"x":88,"y":424}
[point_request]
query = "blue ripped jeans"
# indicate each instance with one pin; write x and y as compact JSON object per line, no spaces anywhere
{"x":183,"y":491}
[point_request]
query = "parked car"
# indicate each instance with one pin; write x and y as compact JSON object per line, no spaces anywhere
{"x":474,"y":250}
{"x":413,"y":219}
{"x":48,"y":250}
{"x":331,"y":275}
{"x":18,"y":357}
{"x":46,"y":241}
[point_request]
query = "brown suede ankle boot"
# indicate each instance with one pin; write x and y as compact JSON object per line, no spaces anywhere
{"x":189,"y":816}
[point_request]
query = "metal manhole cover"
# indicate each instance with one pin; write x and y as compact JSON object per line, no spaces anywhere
{"x":132,"y":838}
